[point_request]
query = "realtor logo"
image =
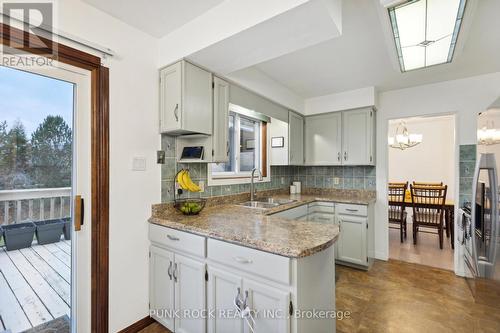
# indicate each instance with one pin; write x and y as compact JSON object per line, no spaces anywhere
{"x":33,"y":18}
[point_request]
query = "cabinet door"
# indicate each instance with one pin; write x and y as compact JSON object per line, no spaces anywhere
{"x":296,"y":139}
{"x":223,"y":288}
{"x":161,"y":286}
{"x":171,"y":98}
{"x":270,"y":307}
{"x":220,"y":135}
{"x":324,"y":139}
{"x":197,"y":111}
{"x":352,"y":243}
{"x":358,"y":137}
{"x":189,"y":277}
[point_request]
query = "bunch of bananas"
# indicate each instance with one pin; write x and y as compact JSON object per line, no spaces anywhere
{"x":185,"y":181}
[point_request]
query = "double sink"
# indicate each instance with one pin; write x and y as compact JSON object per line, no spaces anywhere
{"x":266,"y":203}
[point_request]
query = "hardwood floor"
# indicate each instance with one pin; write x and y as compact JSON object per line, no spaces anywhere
{"x":426,"y":252}
{"x":396,"y":296}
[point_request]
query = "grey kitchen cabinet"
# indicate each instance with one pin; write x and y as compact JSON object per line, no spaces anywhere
{"x":296,"y":139}
{"x":323,"y":139}
{"x":358,"y":137}
{"x":220,"y":136}
{"x":185,"y":99}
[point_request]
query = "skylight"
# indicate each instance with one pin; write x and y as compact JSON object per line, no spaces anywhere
{"x":426,"y":31}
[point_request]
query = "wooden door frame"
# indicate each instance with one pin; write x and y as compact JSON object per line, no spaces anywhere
{"x":29,"y":43}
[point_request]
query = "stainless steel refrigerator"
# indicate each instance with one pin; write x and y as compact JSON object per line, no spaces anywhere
{"x":482,"y":246}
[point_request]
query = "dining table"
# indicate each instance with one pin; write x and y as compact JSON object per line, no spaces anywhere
{"x":449,"y":215}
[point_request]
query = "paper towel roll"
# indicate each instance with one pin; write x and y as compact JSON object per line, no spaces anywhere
{"x":297,"y":186}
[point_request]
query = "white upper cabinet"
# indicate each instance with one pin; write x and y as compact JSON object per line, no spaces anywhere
{"x":324,"y":139}
{"x":185,"y":99}
{"x":220,"y":137}
{"x":358,"y":139}
{"x":296,"y":139}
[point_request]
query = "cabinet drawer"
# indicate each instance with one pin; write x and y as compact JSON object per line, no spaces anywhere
{"x":321,"y":207}
{"x":267,"y":265}
{"x":177,"y":240}
{"x":321,"y":217}
{"x":348,"y":209}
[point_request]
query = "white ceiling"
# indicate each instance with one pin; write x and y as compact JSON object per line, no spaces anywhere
{"x":155,"y":17}
{"x":362,"y":56}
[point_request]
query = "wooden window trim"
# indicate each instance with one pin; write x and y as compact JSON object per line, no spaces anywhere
{"x":29,"y":43}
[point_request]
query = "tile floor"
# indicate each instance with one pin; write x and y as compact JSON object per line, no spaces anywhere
{"x":426,"y":252}
{"x":400,"y":297}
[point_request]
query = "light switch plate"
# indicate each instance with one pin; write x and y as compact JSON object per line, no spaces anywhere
{"x":139,"y":164}
{"x":160,"y":157}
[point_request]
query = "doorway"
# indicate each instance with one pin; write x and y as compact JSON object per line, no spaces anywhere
{"x":421,"y":159}
{"x":45,"y":155}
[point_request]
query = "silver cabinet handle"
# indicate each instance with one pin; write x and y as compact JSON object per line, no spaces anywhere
{"x":176,"y":110}
{"x":351,"y":210}
{"x":170,"y":271}
{"x":173,"y":238}
{"x":242,"y":260}
{"x":238,"y":302}
{"x":345,"y":156}
{"x":227,"y":153}
{"x":338,"y":156}
{"x":175,"y":272}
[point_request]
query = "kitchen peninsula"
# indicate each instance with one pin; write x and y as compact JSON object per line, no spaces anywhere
{"x":230,"y":258}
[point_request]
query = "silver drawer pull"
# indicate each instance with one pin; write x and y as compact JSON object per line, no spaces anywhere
{"x":173,"y":238}
{"x":170,"y":271}
{"x":351,"y":210}
{"x":242,"y":260}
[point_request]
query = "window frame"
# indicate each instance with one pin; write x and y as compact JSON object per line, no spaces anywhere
{"x":232,"y":178}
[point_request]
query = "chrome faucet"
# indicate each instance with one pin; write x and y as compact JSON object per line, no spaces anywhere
{"x":252,"y":186}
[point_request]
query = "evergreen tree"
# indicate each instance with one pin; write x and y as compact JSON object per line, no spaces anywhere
{"x":51,"y":153}
{"x":15,"y":161}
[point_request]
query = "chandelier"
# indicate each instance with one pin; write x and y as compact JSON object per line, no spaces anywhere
{"x":488,"y":135}
{"x":403,"y":139}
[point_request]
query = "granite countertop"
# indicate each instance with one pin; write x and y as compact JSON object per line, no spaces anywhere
{"x":256,"y":228}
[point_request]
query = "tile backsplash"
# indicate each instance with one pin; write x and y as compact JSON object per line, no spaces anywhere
{"x":467,"y":166}
{"x":337,"y":177}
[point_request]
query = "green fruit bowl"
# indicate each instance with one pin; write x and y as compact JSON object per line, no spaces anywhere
{"x":190,"y":206}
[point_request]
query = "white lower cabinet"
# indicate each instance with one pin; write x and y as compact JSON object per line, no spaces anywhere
{"x":223,"y":288}
{"x":177,"y":284}
{"x":190,"y":274}
{"x":352,"y":243}
{"x":161,"y":286}
{"x":189,"y":294}
{"x":270,"y":307}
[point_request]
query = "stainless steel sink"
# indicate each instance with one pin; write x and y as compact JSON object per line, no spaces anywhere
{"x":277,"y":201}
{"x":259,"y":204}
{"x":266,"y":203}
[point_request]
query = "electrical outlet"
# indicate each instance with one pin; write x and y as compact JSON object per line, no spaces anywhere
{"x":201,"y":184}
{"x":282,"y":180}
{"x":336,"y":180}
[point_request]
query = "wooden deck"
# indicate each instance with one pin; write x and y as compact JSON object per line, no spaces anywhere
{"x":34,"y":285}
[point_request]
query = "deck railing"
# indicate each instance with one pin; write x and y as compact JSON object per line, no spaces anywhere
{"x":34,"y":204}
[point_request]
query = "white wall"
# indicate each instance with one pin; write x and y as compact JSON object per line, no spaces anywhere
{"x":464,"y":97}
{"x":346,"y":100}
{"x":133,"y":132}
{"x":431,"y":161}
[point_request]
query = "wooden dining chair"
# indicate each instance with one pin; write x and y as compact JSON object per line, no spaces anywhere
{"x":427,"y":183}
{"x":428,"y":209}
{"x":397,"y":213}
